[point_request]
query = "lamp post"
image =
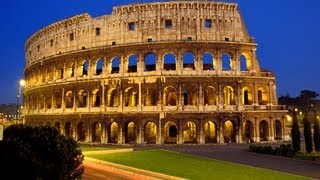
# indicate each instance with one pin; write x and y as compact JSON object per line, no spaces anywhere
{"x":21,"y":83}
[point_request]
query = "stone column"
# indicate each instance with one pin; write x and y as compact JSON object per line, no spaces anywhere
{"x":160,"y":129}
{"x":200,"y":97}
{"x":270,"y":98}
{"x":255,"y":94}
{"x":180,"y":132}
{"x":103,"y":98}
{"x":257,"y":132}
{"x":221,"y":139}
{"x":271,"y":130}
{"x":62,"y":101}
{"x":64,"y":71}
{"x":201,"y":133}
{"x":218,"y":63}
{"x":140,"y":97}
{"x":74,"y":103}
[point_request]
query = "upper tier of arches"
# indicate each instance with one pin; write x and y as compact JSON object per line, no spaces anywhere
{"x":138,"y":62}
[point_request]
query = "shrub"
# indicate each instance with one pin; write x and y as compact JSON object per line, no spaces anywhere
{"x":295,"y":133}
{"x":307,"y":135}
{"x":39,"y":153}
{"x":284,"y":150}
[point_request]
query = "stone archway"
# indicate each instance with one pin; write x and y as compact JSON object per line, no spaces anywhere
{"x":229,"y":132}
{"x":57,"y":125}
{"x":150,"y":133}
{"x":114,"y":131}
{"x":131,"y":132}
{"x":277,"y":130}
{"x":264,"y":130}
{"x":96,"y":132}
{"x":248,"y":131}
{"x":190,"y":132}
{"x":68,"y":129}
{"x":210,"y":132}
{"x":170,"y":132}
{"x":81,"y":131}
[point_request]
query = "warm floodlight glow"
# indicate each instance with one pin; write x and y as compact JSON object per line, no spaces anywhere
{"x":289,"y":118}
{"x":22,"y":82}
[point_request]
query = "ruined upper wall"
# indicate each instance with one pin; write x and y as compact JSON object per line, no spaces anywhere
{"x":140,"y":23}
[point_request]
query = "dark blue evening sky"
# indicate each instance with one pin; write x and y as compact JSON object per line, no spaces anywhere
{"x":287,"y":34}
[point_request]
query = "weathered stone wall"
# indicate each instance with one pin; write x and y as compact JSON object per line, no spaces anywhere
{"x":149,"y":20}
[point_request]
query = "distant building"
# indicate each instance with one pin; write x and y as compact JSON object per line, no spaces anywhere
{"x":161,"y":72}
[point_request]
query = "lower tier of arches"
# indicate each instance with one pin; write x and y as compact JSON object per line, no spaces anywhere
{"x":162,"y":128}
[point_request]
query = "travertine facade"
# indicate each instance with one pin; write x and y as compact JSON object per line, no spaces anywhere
{"x":162,"y":72}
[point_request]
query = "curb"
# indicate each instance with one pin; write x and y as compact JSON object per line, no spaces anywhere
{"x":107,"y":151}
{"x":132,"y":171}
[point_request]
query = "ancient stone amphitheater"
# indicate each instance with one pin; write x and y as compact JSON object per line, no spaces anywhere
{"x":161,"y":72}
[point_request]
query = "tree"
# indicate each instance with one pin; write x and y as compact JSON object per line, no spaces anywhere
{"x":295,"y":133}
{"x":306,"y":99}
{"x":316,"y":133}
{"x":307,"y":133}
{"x":39,"y":153}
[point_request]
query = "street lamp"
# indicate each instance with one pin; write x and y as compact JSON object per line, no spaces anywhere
{"x":21,"y":83}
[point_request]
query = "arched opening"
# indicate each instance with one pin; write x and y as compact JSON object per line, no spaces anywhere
{"x":228,"y":132}
{"x":113,"y":98}
{"x":246,"y":96}
{"x":278,"y":130}
{"x":81,"y":131}
{"x":169,"y":62}
{"x":131,"y":97}
{"x":150,"y":62}
{"x":69,"y":99}
{"x":67,"y":129}
{"x":130,"y":132}
{"x":85,"y":68}
{"x":188,"y":61}
{"x":150,"y":96}
{"x":170,"y":96}
{"x":82,"y":98}
{"x":209,"y":96}
{"x":210,"y":132}
{"x":114,"y":131}
{"x":70,"y":70}
{"x":59,"y":72}
{"x":229,"y":98}
{"x":132,"y":63}
{"x":115,"y":65}
{"x":248,"y":131}
{"x":262,"y":96}
{"x":99,"y":65}
{"x":208,"y":62}
{"x":57,"y":125}
{"x":243,"y":63}
{"x":170,"y":132}
{"x":264,"y":130}
{"x":150,"y":133}
{"x":96,"y":132}
{"x":190,"y":132}
{"x":226,"y":62}
{"x":96,"y":98}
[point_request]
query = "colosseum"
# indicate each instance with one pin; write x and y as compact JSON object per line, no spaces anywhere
{"x":158,"y":72}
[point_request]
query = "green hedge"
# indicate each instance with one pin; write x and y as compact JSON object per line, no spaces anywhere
{"x":285,"y":150}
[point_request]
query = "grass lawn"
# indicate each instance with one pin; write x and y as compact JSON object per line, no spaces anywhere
{"x":190,"y":167}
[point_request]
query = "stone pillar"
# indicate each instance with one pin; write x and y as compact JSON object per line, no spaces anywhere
{"x":256,"y":130}
{"x":62,"y":101}
{"x":140,"y":97}
{"x":221,"y":138}
{"x":201,"y":133}
{"x":180,"y":132}
{"x":64,"y":71}
{"x":160,"y":129}
{"x":271,"y":129}
{"x":180,"y":99}
{"x":200,"y":97}
{"x":218,"y":63}
{"x":103,"y":98}
{"x":270,"y":96}
{"x":140,"y":132}
{"x":74,"y":103}
{"x":121,"y":139}
{"x":255,"y":94}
